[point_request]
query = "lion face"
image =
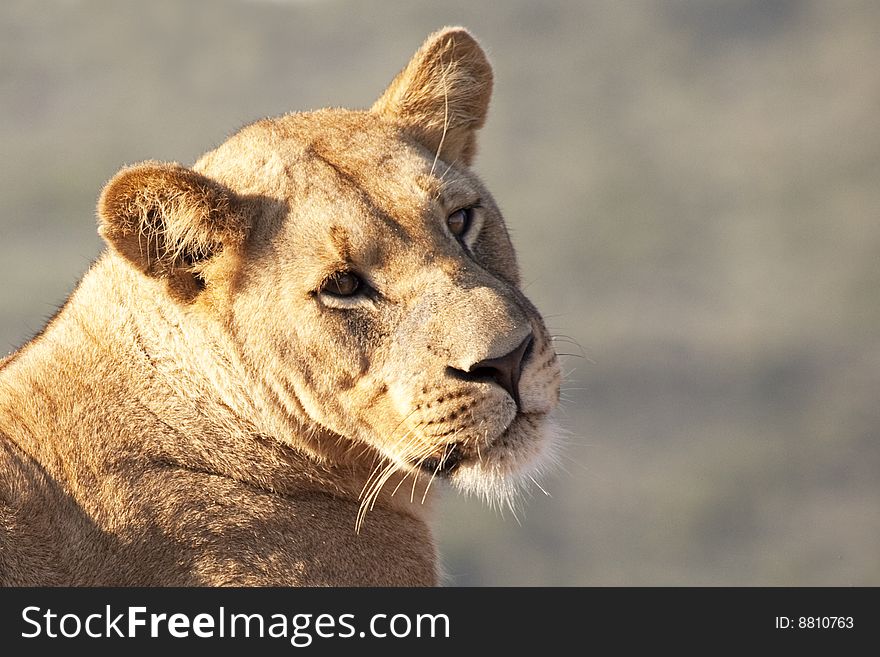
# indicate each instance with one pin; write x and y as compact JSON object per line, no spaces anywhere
{"x":372,"y":287}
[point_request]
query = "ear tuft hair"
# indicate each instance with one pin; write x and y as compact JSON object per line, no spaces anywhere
{"x":165,"y":218}
{"x":442,"y":96}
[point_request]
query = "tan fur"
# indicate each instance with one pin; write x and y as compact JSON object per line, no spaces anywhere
{"x":203,"y":412}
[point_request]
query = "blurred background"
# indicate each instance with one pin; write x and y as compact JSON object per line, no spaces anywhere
{"x":694,"y":190}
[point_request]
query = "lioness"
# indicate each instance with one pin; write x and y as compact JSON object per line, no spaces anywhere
{"x":279,"y":352}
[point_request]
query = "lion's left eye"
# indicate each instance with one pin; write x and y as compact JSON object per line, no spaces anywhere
{"x":459,"y":221}
{"x":343,"y":284}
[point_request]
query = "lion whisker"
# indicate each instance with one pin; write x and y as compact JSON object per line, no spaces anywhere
{"x":380,"y":483}
{"x":380,"y":475}
{"x":399,"y":483}
{"x":409,"y":436}
{"x":540,"y":487}
{"x":369,"y":499}
{"x":408,"y":416}
{"x":431,"y":480}
{"x":369,"y":479}
{"x":445,"y":114}
{"x":415,"y":471}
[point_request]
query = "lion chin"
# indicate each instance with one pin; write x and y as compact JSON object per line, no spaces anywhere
{"x":505,"y":470}
{"x":513,"y":466}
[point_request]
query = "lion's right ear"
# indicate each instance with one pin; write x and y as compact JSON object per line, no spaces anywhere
{"x":442,"y":96}
{"x":167,"y":219}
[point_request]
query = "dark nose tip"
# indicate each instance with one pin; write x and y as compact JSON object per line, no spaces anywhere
{"x":504,"y":370}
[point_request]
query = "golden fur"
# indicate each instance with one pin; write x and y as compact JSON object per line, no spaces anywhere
{"x":209,"y":409}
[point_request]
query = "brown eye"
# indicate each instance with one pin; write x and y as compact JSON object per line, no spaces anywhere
{"x":459,"y":221}
{"x":343,"y":284}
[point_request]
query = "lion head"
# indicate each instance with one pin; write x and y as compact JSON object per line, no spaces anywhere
{"x":363,"y":275}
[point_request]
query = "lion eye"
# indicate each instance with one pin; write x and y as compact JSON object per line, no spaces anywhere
{"x":343,"y":284}
{"x":459,"y":221}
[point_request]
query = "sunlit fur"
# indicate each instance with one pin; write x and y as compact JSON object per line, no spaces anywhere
{"x":205,"y":410}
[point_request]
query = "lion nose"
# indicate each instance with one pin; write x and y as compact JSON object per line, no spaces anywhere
{"x":504,"y":370}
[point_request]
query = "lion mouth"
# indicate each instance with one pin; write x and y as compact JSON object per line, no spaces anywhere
{"x":519,"y":440}
{"x":443,"y":464}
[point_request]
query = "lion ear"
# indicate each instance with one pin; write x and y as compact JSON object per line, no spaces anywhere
{"x":167,"y":219}
{"x":442,"y":96}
